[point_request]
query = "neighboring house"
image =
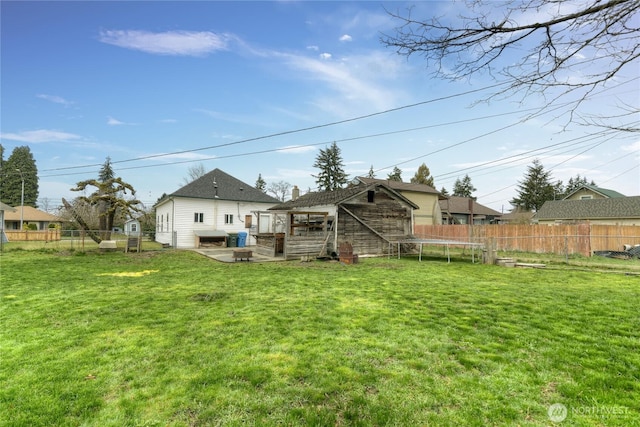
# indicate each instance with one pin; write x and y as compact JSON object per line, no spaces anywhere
{"x":425,"y":196}
{"x":612,"y":211}
{"x":461,"y":210}
{"x":204,"y":211}
{"x":368,"y":217}
{"x":587,"y":192}
{"x":29,"y":216}
{"x":3,"y":208}
{"x":132,"y":227}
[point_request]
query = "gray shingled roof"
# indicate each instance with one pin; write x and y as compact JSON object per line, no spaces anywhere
{"x":324,"y":198}
{"x":460,"y":205}
{"x":320,"y":198}
{"x":620,"y":207}
{"x":220,"y":185}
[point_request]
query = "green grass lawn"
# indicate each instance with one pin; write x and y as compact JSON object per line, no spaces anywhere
{"x":171,"y":338}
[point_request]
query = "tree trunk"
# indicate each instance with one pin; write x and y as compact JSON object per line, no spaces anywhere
{"x":96,"y":238}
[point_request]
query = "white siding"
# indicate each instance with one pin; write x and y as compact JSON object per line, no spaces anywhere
{"x":180,"y":212}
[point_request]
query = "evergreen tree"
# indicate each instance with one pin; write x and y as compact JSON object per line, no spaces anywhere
{"x":535,"y":189}
{"x":574,"y":183}
{"x":464,"y":187}
{"x":1,"y":167}
{"x":20,"y":166}
{"x":423,"y":176}
{"x":332,"y":175}
{"x":2,"y":174}
{"x":371,"y":173}
{"x":444,"y":191}
{"x":261,"y":184}
{"x":107,"y":201}
{"x":395,"y":175}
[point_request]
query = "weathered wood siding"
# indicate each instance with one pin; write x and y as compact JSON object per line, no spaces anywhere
{"x":386,"y":219}
{"x":297,"y":247}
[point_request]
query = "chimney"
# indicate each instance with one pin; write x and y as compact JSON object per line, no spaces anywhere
{"x":295,"y":193}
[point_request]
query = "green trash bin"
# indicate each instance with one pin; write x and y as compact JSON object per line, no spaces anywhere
{"x":232,"y":240}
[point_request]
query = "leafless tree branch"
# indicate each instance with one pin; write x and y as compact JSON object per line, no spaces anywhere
{"x":568,"y":55}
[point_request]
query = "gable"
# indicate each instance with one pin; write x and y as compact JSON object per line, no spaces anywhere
{"x":594,"y":191}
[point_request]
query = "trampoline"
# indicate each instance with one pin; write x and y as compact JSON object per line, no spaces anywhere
{"x":436,"y":242}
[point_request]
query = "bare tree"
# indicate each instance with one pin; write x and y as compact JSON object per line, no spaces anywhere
{"x":279,"y":189}
{"x":563,"y":50}
{"x":194,"y":172}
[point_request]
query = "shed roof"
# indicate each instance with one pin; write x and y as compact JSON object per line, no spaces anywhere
{"x":328,"y":198}
{"x":218,"y":184}
{"x":399,"y":185}
{"x":619,"y":207}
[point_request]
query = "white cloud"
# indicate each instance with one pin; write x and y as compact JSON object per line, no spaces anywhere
{"x":55,"y":99}
{"x":631,"y":147}
{"x":346,"y":38}
{"x":356,"y":81}
{"x":313,"y":47}
{"x":114,"y":122}
{"x":179,"y":43}
{"x":325,"y":56}
{"x":39,"y":136}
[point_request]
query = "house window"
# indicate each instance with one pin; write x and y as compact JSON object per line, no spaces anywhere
{"x":228,"y":218}
{"x":133,"y":228}
{"x":198,"y":217}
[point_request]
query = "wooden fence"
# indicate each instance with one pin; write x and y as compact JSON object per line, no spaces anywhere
{"x":559,"y":239}
{"x":48,"y":235}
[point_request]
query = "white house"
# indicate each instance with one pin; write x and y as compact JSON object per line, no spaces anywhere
{"x":204,"y":211}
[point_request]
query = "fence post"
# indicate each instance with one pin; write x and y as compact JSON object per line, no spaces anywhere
{"x":489,"y":254}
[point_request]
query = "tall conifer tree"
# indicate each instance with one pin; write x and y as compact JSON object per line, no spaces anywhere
{"x":331,"y":165}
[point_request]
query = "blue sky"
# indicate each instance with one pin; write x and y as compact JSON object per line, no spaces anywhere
{"x":259,"y":87}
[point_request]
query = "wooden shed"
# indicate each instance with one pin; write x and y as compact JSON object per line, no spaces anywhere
{"x":366,"y":216}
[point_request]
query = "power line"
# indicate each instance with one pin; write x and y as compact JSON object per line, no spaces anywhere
{"x":289,"y":132}
{"x":517,"y":158}
{"x":299,"y":146}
